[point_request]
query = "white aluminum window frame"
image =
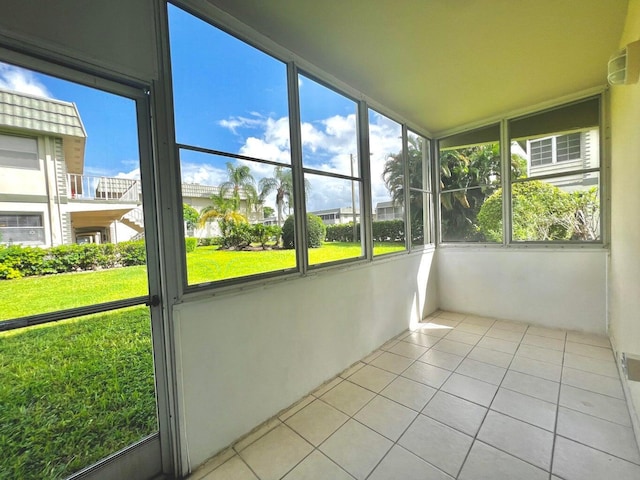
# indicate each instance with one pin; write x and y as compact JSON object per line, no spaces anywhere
{"x":28,"y":153}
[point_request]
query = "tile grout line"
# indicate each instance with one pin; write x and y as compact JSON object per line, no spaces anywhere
{"x":555,"y":426}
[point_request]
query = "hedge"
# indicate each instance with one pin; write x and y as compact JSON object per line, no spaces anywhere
{"x":17,"y":261}
{"x":383,"y":231}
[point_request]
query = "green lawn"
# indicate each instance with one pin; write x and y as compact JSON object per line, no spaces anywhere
{"x":75,"y":391}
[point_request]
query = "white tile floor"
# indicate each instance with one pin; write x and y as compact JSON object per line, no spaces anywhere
{"x":460,"y":397}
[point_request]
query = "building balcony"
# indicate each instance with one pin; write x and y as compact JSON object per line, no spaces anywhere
{"x":113,"y":189}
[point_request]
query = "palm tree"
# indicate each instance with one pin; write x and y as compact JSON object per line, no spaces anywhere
{"x":224,"y":209}
{"x":240,"y":180}
{"x":282,"y":184}
{"x":393,"y":176}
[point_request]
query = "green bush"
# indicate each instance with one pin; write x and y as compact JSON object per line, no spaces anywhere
{"x":8,"y":273}
{"x":237,"y":235}
{"x":383,"y":231}
{"x":388,"y":231}
{"x":541,"y":211}
{"x":342,"y":232}
{"x":26,"y":260}
{"x":208,"y":241}
{"x":190,"y":244}
{"x":265,"y":233}
{"x":132,"y":253}
{"x":316,"y":232}
{"x":17,"y":261}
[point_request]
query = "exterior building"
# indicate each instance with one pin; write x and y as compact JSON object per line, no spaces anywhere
{"x":389,"y":211}
{"x":45,"y":198}
{"x":335,"y":216}
{"x":568,"y":152}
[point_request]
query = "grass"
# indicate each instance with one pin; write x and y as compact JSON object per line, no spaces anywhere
{"x":75,"y":391}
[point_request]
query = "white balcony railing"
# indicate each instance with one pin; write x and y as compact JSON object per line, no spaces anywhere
{"x":86,"y":187}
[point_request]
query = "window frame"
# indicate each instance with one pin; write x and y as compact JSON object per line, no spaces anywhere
{"x":295,"y":66}
{"x":41,"y":227}
{"x":36,"y":161}
{"x":603,"y":171}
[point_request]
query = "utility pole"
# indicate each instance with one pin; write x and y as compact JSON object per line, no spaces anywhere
{"x":353,"y":200}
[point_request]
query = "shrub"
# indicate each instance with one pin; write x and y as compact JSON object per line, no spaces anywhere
{"x":288,"y":236}
{"x":388,"y":231}
{"x":190,"y":244}
{"x":342,"y":232}
{"x":383,"y":231}
{"x":208,"y":241}
{"x":132,"y":253}
{"x":26,"y":260}
{"x":237,"y":235}
{"x":316,"y":232}
{"x":8,"y":273}
{"x":264,"y":233}
{"x":541,"y":211}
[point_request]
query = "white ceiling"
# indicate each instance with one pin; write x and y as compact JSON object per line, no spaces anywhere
{"x":442,"y":64}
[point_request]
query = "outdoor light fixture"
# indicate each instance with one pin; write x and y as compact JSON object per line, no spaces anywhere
{"x":624,"y":66}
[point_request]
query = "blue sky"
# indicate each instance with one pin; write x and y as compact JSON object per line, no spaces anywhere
{"x":231,"y":97}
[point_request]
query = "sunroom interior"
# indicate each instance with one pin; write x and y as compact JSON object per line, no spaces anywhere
{"x":232,"y":355}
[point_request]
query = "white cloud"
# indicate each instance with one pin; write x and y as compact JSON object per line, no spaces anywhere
{"x":202,"y":173}
{"x":329,"y":145}
{"x":133,"y":174}
{"x":21,"y":80}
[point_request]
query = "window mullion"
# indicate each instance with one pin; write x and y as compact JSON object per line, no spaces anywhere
{"x":505,"y":156}
{"x":407,"y":182}
{"x":299,"y":206}
{"x":366,"y":207}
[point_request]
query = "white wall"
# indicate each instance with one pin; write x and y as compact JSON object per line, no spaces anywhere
{"x":559,"y":288}
{"x":245,"y":357}
{"x":624,"y":286}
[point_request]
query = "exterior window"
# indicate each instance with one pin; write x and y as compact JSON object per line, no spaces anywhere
{"x":541,"y":152}
{"x":568,"y":147}
{"x":555,"y":195}
{"x":470,"y":176}
{"x":19,"y":152}
{"x":420,"y":194}
{"x":387,"y":184}
{"x":560,"y":148}
{"x":331,"y":166}
{"x":235,"y":160}
{"x":23,"y":228}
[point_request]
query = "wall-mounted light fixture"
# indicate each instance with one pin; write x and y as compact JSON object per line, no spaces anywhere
{"x":624,"y":66}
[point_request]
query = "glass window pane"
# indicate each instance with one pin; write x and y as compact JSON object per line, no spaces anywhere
{"x":75,"y":391}
{"x":224,"y":205}
{"x":420,"y":214}
{"x":72,"y":235}
{"x":228,"y":96}
{"x":329,"y":129}
{"x":557,"y":153}
{"x":333,"y":205}
{"x":558,"y":209}
{"x":469,"y":175}
{"x":387,"y":184}
{"x":72,"y":229}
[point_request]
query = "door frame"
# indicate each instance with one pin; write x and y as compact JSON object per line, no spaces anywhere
{"x":156,"y":454}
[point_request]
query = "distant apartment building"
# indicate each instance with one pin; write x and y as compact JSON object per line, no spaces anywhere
{"x":46,"y":199}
